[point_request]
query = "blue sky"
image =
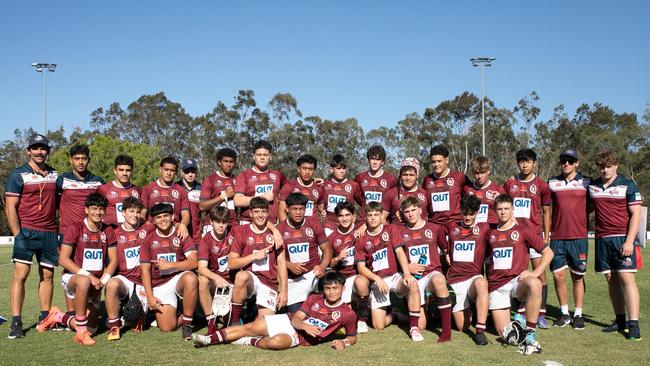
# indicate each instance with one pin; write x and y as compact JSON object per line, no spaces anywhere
{"x":373,"y":60}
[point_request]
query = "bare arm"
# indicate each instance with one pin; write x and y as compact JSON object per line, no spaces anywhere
{"x":282,"y":210}
{"x":11,"y":210}
{"x":632,"y":230}
{"x":546,"y":223}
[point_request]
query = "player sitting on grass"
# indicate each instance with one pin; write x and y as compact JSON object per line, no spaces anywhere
{"x":317,"y":320}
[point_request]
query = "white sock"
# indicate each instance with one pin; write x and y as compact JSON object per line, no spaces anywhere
{"x":565,"y":309}
{"x":577,"y":312}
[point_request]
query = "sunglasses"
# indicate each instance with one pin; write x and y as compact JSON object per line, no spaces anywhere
{"x":567,"y":161}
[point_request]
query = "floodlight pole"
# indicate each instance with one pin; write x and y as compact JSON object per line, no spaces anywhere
{"x":44,"y":68}
{"x":483,"y":61}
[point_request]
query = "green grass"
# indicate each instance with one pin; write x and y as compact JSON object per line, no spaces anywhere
{"x":392,"y":346}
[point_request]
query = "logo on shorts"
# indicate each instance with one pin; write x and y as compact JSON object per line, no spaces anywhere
{"x":348,"y":188}
{"x":135,"y":194}
{"x":627,"y":262}
{"x":428,"y":234}
{"x":421,"y":197}
{"x":385,"y":236}
{"x":175,"y":193}
{"x":383,"y":183}
{"x":476,"y":230}
{"x":336,"y":315}
{"x":176,"y":242}
{"x":272,"y":176}
{"x":269,"y":238}
{"x":533,"y":189}
{"x":450,"y":182}
{"x":309,"y":232}
{"x":514,"y":235}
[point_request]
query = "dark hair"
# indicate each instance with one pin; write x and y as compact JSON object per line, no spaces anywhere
{"x":338,"y":160}
{"x":374,"y":206}
{"x":307,"y":158}
{"x":96,"y":199}
{"x":526,"y":154}
{"x":439,"y":150}
{"x":226,"y":152}
{"x":161,"y":208}
{"x":606,"y":158}
{"x":345,"y":205}
{"x":124,"y":160}
{"x":376,"y":152}
{"x":470,"y":203}
{"x":258,"y":202}
{"x":408,"y":202}
{"x":333,"y":277}
{"x":296,"y":199}
{"x":79,"y":149}
{"x":502,"y":198}
{"x":169,"y":160}
{"x":263,"y":144}
{"x":480,"y":164}
{"x":132,"y":202}
{"x":219,"y":214}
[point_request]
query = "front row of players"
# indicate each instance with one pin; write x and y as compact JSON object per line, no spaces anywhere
{"x":155,"y":263}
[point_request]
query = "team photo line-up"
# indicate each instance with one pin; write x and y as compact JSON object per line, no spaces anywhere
{"x":277,"y":263}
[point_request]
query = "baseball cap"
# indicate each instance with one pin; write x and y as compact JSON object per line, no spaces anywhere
{"x":38,"y":139}
{"x":413,"y":163}
{"x":189,"y":163}
{"x":570,"y":153}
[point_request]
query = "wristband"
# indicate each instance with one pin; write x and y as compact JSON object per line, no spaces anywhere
{"x":83,"y":272}
{"x":105,"y":278}
{"x":346,"y":342}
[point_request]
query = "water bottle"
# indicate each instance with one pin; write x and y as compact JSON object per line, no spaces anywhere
{"x":423,"y":261}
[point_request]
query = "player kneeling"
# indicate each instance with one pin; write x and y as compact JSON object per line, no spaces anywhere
{"x":380,"y":248}
{"x":466,"y":254}
{"x":508,"y":275}
{"x":215,"y":277}
{"x":85,"y":270}
{"x":166,"y":263}
{"x":319,"y":318}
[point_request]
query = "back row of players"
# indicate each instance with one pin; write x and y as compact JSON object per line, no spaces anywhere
{"x":399,"y":240}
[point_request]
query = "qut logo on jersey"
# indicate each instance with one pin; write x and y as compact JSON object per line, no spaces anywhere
{"x":440,"y":197}
{"x":93,"y":254}
{"x":483,"y":209}
{"x":261,"y":189}
{"x":335,"y":199}
{"x":379,"y":255}
{"x":317,"y":323}
{"x":298,"y":248}
{"x":373,"y":196}
{"x":132,"y":252}
{"x":502,"y":253}
{"x":465,"y":245}
{"x":169,"y":257}
{"x":415,"y":252}
{"x":223,"y":261}
{"x":524,"y":203}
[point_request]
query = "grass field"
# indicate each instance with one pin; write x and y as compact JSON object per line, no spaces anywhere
{"x":392,"y":346}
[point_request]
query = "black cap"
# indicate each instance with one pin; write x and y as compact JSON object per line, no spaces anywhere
{"x":37,"y":139}
{"x":570,"y":153}
{"x":189,"y":163}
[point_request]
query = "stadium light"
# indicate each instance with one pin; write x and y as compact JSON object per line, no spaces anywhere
{"x":44,"y":68}
{"x":483,"y":62}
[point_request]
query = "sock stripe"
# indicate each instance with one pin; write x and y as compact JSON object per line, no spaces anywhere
{"x":444,"y":306}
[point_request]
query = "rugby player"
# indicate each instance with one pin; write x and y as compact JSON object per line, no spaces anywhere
{"x":166,"y":265}
{"x":118,"y":190}
{"x":261,"y":261}
{"x":165,"y":190}
{"x":424,"y":242}
{"x":339,"y":189}
{"x":89,"y":258}
{"x":508,"y":276}
{"x":342,"y":241}
{"x":304,"y":183}
{"x":218,"y":188}
{"x":259,"y":181}
{"x":466,"y":254}
{"x":376,"y":254}
{"x":485,"y":190}
{"x":407,"y":186}
{"x":569,"y":192}
{"x":375,"y":181}
{"x":617,"y":203}
{"x":30,"y":207}
{"x":318,"y":319}
{"x":303,"y":238}
{"x":189,"y":181}
{"x":532,"y":208}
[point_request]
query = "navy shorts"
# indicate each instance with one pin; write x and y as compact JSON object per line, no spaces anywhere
{"x":608,"y":256}
{"x":570,"y":253}
{"x":42,"y":244}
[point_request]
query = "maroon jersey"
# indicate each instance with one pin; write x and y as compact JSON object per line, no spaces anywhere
{"x":128,"y":252}
{"x":508,"y":251}
{"x":193,"y":196}
{"x":116,"y":196}
{"x":171,"y":248}
{"x":378,"y":251}
{"x":73,"y":191}
{"x":335,"y":192}
{"x":174,"y":195}
{"x":486,"y":194}
{"x":373,"y":188}
{"x":314,"y":193}
{"x":340,"y":242}
{"x":466,"y":250}
{"x":212,"y":187}
{"x":444,"y":195}
{"x":428,"y":241}
{"x":37,"y":194}
{"x":253,"y":183}
{"x":215,"y":252}
{"x":89,"y":248}
{"x":569,"y":207}
{"x":394,"y":197}
{"x":611,"y":204}
{"x":246,"y":242}
{"x":328,"y":318}
{"x":527,"y":199}
{"x":301,"y":243}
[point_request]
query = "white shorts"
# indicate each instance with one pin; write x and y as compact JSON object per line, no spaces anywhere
{"x":299,"y":288}
{"x":281,"y":324}
{"x":166,"y":292}
{"x":128,"y":284}
{"x":139,"y":290}
{"x":461,"y":289}
{"x":379,"y":300}
{"x":348,"y":289}
{"x":266,"y":296}
{"x":65,"y":278}
{"x":500,"y":298}
{"x":423,"y":284}
{"x":533,"y":254}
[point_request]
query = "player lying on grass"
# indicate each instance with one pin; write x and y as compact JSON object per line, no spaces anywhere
{"x":318,"y":319}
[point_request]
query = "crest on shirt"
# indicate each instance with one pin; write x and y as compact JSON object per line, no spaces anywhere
{"x":383,"y":183}
{"x":430,"y":184}
{"x":142,"y":234}
{"x":155,"y":244}
{"x":272,"y":176}
{"x":348,"y":188}
{"x":230,"y":240}
{"x":253,"y":177}
{"x":176,"y":242}
{"x":491,"y":195}
{"x":84,"y":238}
{"x":175,"y":193}
{"x":514,"y":235}
{"x":315,"y":307}
{"x":286,"y":235}
{"x":102,"y":236}
{"x":428,"y":234}
{"x":309,"y":232}
{"x":476,"y":230}
{"x":368,"y":245}
{"x":533,"y":189}
{"x":269,"y":238}
{"x":215,"y":250}
{"x":250,"y":240}
{"x":121,"y":239}
{"x":456,"y":231}
{"x":113,"y":194}
{"x":385,"y":236}
{"x":336,"y":315}
{"x":450,"y":182}
{"x":135,"y":194}
{"x":514,"y":188}
{"x":315,"y":193}
{"x":421,"y":197}
{"x":364,"y":182}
